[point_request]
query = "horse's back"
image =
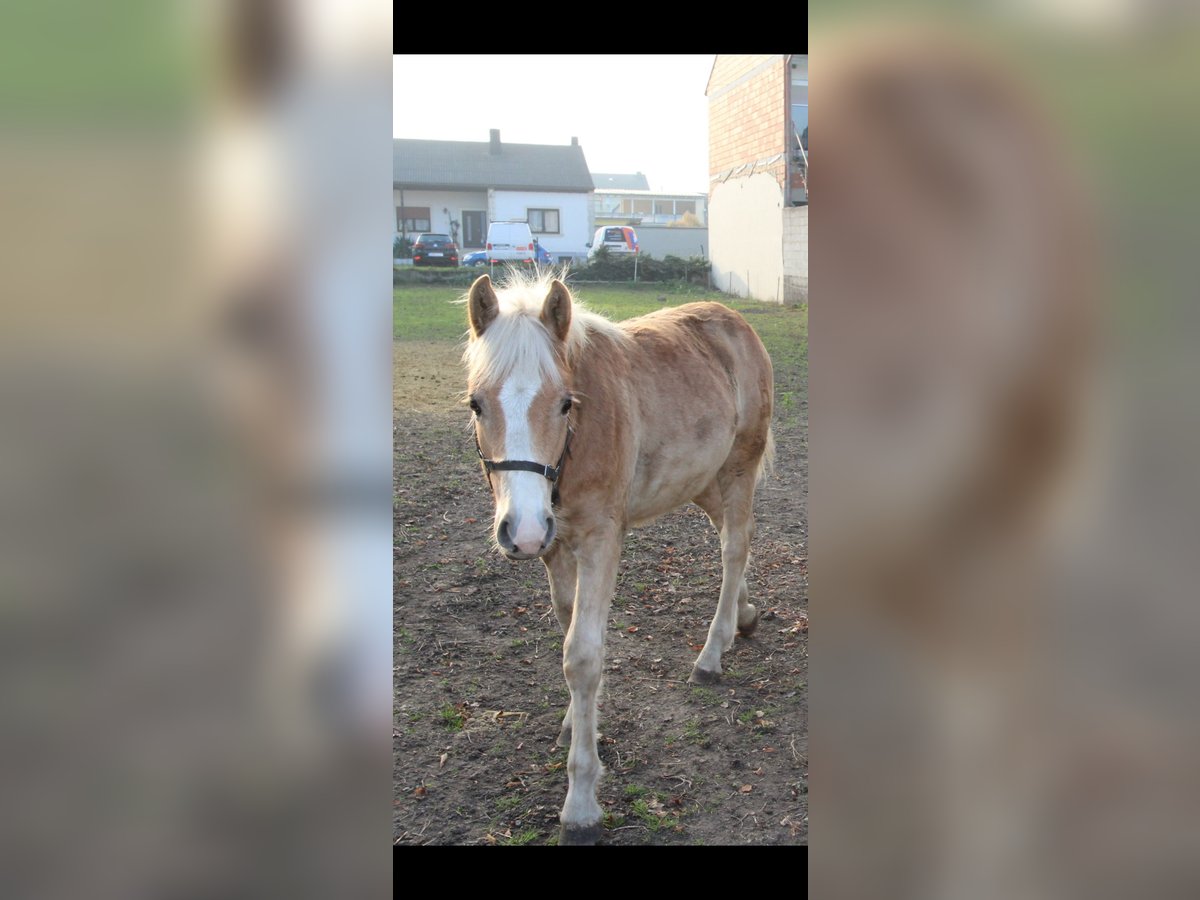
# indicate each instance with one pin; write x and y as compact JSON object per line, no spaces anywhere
{"x":703,"y":387}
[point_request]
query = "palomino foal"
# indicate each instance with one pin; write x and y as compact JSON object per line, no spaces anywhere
{"x":586,"y":428}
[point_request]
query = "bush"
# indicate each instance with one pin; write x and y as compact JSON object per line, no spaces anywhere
{"x":606,"y":266}
{"x":401,"y":248}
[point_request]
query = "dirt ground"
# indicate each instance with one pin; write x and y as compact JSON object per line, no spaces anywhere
{"x":479,"y":689}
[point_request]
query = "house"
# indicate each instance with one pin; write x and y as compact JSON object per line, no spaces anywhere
{"x":666,"y":223}
{"x":459,"y":187}
{"x":758,"y":175}
{"x":619,"y":182}
{"x":637,"y":207}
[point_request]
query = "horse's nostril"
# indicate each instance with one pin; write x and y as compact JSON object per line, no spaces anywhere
{"x":549,"y":531}
{"x":503,"y":537}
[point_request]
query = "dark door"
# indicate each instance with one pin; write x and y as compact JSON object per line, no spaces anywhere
{"x":474,"y":228}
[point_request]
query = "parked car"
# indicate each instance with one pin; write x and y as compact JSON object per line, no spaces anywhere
{"x":480,"y":257}
{"x":510,"y":242}
{"x":615,"y":238}
{"x":435,"y":250}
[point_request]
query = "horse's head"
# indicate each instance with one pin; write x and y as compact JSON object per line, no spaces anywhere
{"x":519,"y":390}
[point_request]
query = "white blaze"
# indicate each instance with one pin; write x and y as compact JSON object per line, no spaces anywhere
{"x":524,"y":496}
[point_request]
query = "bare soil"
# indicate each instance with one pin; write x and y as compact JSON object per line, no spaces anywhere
{"x":479,"y":689}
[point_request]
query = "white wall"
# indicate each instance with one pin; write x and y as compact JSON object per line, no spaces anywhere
{"x":745,"y":228}
{"x":795,"y":254}
{"x":574,"y":217}
{"x":454,"y":201}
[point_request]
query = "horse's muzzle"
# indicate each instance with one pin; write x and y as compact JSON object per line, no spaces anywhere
{"x":527,"y":540}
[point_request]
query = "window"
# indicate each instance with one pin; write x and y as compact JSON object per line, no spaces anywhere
{"x":641,"y":207}
{"x":412,"y":218}
{"x":543,"y":221}
{"x":683,"y":207}
{"x":664,"y":207}
{"x":800,"y":113}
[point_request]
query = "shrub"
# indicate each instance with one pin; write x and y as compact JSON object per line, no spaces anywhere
{"x":606,"y":266}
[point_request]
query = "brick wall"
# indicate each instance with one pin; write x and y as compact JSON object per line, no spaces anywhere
{"x":747,"y":113}
{"x":795,"y":254}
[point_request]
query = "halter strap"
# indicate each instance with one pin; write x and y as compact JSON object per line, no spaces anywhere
{"x":550,"y":473}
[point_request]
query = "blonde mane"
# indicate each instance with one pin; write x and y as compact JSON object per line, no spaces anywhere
{"x":516,"y":340}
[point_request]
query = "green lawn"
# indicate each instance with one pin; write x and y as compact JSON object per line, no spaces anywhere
{"x":429,"y":313}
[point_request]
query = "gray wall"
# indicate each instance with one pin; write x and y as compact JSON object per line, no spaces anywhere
{"x":795,"y":254}
{"x":659,"y":240}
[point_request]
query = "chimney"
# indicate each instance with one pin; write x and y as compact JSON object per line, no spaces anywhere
{"x":495,"y":148}
{"x":574,"y":141}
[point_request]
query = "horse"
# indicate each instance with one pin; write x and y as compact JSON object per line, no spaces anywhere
{"x":586,"y":428}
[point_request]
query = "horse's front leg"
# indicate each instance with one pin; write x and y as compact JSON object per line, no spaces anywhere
{"x":583,"y":660}
{"x":560,"y":570}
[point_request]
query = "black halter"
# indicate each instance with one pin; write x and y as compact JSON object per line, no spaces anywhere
{"x":551,"y":473}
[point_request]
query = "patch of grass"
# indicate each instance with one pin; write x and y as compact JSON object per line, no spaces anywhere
{"x":761,"y":723}
{"x":705,"y":694}
{"x":633,"y":791}
{"x":613,"y":820}
{"x":518,"y":643}
{"x":504,"y":804}
{"x":651,"y":814}
{"x":691,"y":734}
{"x":521,"y":838}
{"x":452,"y":718}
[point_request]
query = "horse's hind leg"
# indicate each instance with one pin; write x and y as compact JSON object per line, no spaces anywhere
{"x":561,"y":571}
{"x":713,"y":504}
{"x":737,"y":526}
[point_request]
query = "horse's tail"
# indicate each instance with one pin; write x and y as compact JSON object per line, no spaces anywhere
{"x":766,"y":465}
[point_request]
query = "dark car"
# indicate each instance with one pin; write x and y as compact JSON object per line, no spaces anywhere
{"x":480,"y":257}
{"x":435,"y":250}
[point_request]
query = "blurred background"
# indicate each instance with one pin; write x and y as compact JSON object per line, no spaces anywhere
{"x":1004,"y":427}
{"x":195,"y":452}
{"x":195,"y":448}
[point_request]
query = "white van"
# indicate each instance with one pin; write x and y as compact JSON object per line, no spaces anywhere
{"x":615,"y":239}
{"x":510,"y":242}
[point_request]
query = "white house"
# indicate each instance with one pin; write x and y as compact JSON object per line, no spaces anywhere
{"x":458,"y":187}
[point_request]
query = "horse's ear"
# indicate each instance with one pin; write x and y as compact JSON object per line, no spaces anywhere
{"x":556,"y":311}
{"x":482,"y":305}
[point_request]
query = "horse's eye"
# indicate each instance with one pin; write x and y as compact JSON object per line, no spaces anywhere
{"x":566,"y":407}
{"x":475,"y":407}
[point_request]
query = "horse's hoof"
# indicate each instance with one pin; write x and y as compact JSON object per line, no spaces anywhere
{"x":703,"y":676}
{"x":747,"y":630}
{"x":579,"y":835}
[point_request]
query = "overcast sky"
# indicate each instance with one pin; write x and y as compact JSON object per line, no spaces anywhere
{"x":631,"y":113}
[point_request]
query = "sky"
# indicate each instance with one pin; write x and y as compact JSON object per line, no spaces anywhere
{"x":631,"y":113}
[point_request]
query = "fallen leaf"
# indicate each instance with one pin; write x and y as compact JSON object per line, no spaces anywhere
{"x":768,"y":749}
{"x":746,"y":788}
{"x":757,"y":771}
{"x":631,"y":629}
{"x":442,"y":760}
{"x":419,"y":792}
